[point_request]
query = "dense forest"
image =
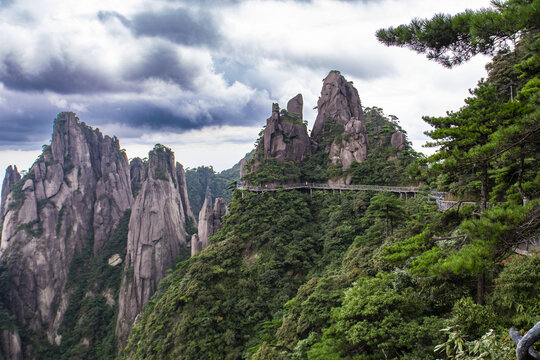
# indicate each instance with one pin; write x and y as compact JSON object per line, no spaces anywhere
{"x":359,"y":275}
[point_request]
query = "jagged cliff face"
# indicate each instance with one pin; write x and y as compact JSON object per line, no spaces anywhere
{"x":209,"y":223}
{"x":72,"y":197}
{"x":182,"y":189}
{"x":11,"y":177}
{"x":156,"y":236}
{"x":339,"y":104}
{"x":285,"y":137}
{"x":137,"y":171}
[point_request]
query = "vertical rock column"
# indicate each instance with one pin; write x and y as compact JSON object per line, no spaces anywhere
{"x":209,"y":223}
{"x":155,"y":238}
{"x":73,"y":196}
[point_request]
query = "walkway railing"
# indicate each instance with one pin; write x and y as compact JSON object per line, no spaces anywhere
{"x":438,"y":196}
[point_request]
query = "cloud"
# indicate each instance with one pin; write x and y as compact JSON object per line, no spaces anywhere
{"x":163,"y":62}
{"x":60,"y":74}
{"x":178,"y":25}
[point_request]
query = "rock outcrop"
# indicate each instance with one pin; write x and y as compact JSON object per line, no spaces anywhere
{"x":11,"y":345}
{"x":11,"y":177}
{"x":182,"y":189}
{"x":137,"y":172}
{"x":155,"y":238}
{"x":399,"y":140}
{"x":295,"y":106}
{"x":285,"y":136}
{"x":72,"y":198}
{"x":209,"y":223}
{"x":339,"y":105}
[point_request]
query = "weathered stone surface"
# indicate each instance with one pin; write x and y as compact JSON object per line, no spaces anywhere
{"x":11,"y":345}
{"x":11,"y":177}
{"x":182,"y":189}
{"x":399,"y":140}
{"x":284,"y":138}
{"x":295,"y":106}
{"x":243,"y":170}
{"x":209,"y":223}
{"x":79,"y":187}
{"x":155,"y":237}
{"x":339,"y":102}
{"x":137,"y":171}
{"x":352,"y":147}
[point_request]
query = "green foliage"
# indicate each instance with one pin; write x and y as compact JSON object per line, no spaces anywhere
{"x":272,"y":171}
{"x":451,"y":40}
{"x":517,"y":291}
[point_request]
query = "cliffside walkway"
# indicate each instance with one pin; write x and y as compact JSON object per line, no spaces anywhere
{"x":438,"y":196}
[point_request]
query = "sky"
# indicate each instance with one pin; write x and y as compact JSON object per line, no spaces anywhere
{"x":200,"y":76}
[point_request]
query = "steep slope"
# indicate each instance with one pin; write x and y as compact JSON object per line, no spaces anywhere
{"x":72,"y":197}
{"x":156,"y":238}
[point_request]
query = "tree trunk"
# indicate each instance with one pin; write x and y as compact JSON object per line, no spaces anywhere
{"x":480,"y":287}
{"x":524,"y":196}
{"x":484,"y":190}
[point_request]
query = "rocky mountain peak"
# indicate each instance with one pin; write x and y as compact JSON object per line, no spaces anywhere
{"x":155,"y":240}
{"x":209,"y":223}
{"x":11,"y":177}
{"x":71,"y":199}
{"x":137,"y":172}
{"x":285,"y":136}
{"x":339,"y":102}
{"x":161,"y":164}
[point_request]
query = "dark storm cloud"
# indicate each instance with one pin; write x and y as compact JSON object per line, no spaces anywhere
{"x":27,"y":121}
{"x":163,"y":62}
{"x":146,"y":115}
{"x":60,"y":75}
{"x":181,"y":26}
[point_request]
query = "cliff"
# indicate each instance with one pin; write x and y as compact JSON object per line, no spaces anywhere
{"x":285,"y":136}
{"x":11,"y":177}
{"x":183,"y":190}
{"x":156,"y":238}
{"x":70,"y":200}
{"x":340,"y":125}
{"x":209,"y":223}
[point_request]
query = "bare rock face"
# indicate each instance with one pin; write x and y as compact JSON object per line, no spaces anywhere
{"x":182,"y":189}
{"x":339,"y":104}
{"x":11,"y":345}
{"x":209,"y":223}
{"x":11,"y":177}
{"x":285,"y":137}
{"x":295,"y":106}
{"x":156,"y":235}
{"x":399,"y":141}
{"x":352,"y":147}
{"x":137,"y":171}
{"x":72,"y":197}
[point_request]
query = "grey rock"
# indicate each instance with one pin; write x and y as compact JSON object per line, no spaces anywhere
{"x":285,"y":140}
{"x":209,"y":223}
{"x":352,"y":147}
{"x":339,"y":102}
{"x":399,"y":140}
{"x":137,"y":171}
{"x":295,"y":106}
{"x":78,"y":187}
{"x":243,"y":167}
{"x":11,"y":345}
{"x":155,"y":238}
{"x":182,"y":189}
{"x":11,"y":177}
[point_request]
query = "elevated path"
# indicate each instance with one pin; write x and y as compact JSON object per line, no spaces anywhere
{"x":438,"y":196}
